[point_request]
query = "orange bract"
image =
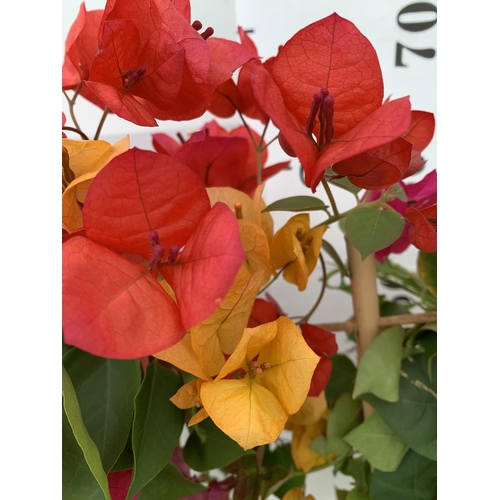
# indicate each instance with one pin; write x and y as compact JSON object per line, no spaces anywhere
{"x":296,"y":248}
{"x":253,"y":410}
{"x":86,"y":159}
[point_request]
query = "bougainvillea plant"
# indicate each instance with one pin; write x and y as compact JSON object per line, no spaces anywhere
{"x":182,"y":376}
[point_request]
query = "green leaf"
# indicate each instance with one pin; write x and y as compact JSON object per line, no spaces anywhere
{"x":297,"y":204}
{"x":66,"y":349}
{"x":78,"y":482}
{"x":370,"y":229}
{"x":341,"y":494}
{"x":341,"y":379}
{"x":395,"y":307}
{"x":378,"y":370}
{"x":217,"y":450}
{"x":344,"y":416}
{"x":346,"y":184}
{"x":359,"y":469}
{"x":377,"y":443}
{"x":328,"y":248}
{"x":394,"y":276}
{"x":280,"y":455}
{"x":275,"y":477}
{"x":106,"y":389}
{"x":319,"y":445}
{"x":92,"y":460}
{"x":415,"y":479}
{"x":414,"y":416}
{"x":157,"y":425}
{"x":126,"y":460}
{"x":170,"y":484}
{"x":297,"y":481}
{"x":398,"y":191}
{"x":356,"y":494}
{"x":427,"y":270}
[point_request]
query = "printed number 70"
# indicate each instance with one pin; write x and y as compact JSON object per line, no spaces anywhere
{"x":405,"y":12}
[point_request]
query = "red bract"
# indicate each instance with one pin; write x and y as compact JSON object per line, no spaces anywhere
{"x":161,"y":195}
{"x":206,"y":268}
{"x":423,"y":228}
{"x":323,"y":343}
{"x":128,"y":75}
{"x":324,"y":92}
{"x":220,"y":158}
{"x":147,"y":204}
{"x":119,"y":483}
{"x":397,"y":160}
{"x":420,"y":134}
{"x":81,"y":47}
{"x":152,"y":64}
{"x":113,"y":308}
{"x":420,"y":196}
{"x":263,"y":312}
{"x":230,"y":97}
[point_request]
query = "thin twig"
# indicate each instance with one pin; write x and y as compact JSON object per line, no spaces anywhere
{"x":329,"y":193}
{"x":77,"y":131}
{"x":101,"y":123}
{"x":402,"y":319}
{"x":305,"y":319}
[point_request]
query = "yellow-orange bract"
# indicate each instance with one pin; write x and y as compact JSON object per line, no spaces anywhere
{"x":86,"y":159}
{"x":253,"y":410}
{"x":251,"y":209}
{"x":296,"y":247}
{"x":256,"y":228}
{"x":183,"y":356}
{"x":222,"y":330}
{"x":297,"y":494}
{"x":308,"y":424}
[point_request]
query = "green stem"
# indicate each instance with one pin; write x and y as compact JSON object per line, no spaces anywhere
{"x":263,"y":134}
{"x":334,"y":218}
{"x":273,"y":280}
{"x":249,"y":130}
{"x":269,"y":143}
{"x":101,"y":123}
{"x":376,"y":204}
{"x":258,"y":147}
{"x":321,"y":293}
{"x":330,"y":197}
{"x":259,"y":166}
{"x":259,"y":457}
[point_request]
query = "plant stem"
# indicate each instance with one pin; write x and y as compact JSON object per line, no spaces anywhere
{"x":259,"y":166}
{"x":386,"y":321}
{"x":77,"y":131}
{"x":261,"y":142}
{"x":71,"y":105}
{"x":330,"y":197}
{"x":365,"y":302}
{"x":336,"y":218}
{"x":259,"y":457}
{"x":258,"y":147}
{"x":101,"y":123}
{"x":249,"y":130}
{"x":273,"y":280}
{"x":321,"y":293}
{"x":269,"y":143}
